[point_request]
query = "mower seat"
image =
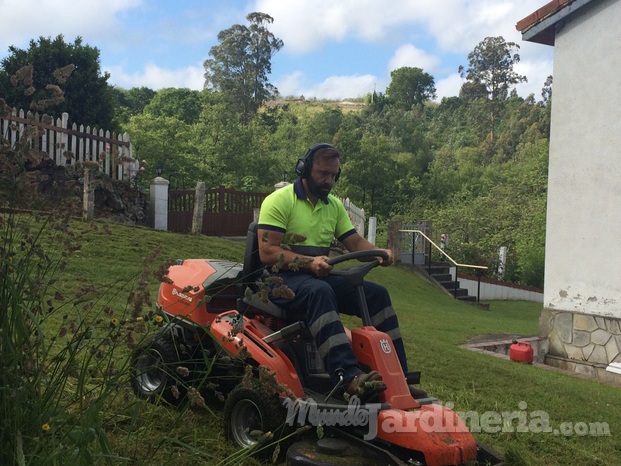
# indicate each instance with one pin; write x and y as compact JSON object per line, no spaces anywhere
{"x":252,"y":270}
{"x":253,"y":267}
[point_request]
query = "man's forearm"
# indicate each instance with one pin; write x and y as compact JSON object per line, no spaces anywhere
{"x":285,"y":258}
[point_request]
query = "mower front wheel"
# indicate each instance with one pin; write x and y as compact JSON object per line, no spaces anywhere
{"x":155,"y":371}
{"x":250,"y":415}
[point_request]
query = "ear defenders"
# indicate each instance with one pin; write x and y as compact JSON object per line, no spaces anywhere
{"x":305,"y":164}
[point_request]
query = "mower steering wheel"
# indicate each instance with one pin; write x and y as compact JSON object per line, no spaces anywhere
{"x":356,"y":274}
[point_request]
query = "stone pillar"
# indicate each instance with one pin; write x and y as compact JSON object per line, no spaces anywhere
{"x":199,"y":203}
{"x":394,"y":239}
{"x":159,"y":203}
{"x":371,"y":235}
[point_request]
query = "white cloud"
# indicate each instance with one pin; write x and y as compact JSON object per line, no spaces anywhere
{"x":537,"y":72}
{"x":291,"y":84}
{"x":156,"y":78}
{"x":29,"y":19}
{"x":306,"y":25}
{"x":409,"y":55}
{"x":455,"y":25}
{"x":333,"y":88}
{"x":449,"y":86}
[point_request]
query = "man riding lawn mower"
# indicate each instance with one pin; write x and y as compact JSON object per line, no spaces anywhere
{"x":353,"y":385}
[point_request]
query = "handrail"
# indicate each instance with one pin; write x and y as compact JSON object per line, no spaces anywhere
{"x":479,"y":268}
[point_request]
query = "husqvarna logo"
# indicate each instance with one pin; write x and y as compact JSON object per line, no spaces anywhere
{"x":385,"y":344}
{"x":182,"y":295}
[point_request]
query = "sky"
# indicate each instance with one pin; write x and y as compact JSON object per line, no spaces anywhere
{"x":332,"y":49}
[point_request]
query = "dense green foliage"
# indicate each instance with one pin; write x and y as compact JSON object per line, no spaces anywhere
{"x":182,"y":104}
{"x":130,"y":102}
{"x":56,"y":77}
{"x":410,"y":86}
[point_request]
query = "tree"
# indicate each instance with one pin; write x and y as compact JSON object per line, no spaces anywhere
{"x":183,"y":104}
{"x":546,"y":91}
{"x":241,"y":64}
{"x":491,"y":68}
{"x":375,"y":102}
{"x":128,"y":103}
{"x":491,"y":64}
{"x":471,"y":91}
{"x":50,"y":68}
{"x":322,"y":126}
{"x":369,"y":174}
{"x":410,"y":86}
{"x":167,"y":142}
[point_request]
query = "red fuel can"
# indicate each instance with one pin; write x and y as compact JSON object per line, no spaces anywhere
{"x":521,"y":351}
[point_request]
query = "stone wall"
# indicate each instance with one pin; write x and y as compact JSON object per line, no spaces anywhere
{"x":582,"y":343}
{"x":119,"y":202}
{"x":41,"y":184}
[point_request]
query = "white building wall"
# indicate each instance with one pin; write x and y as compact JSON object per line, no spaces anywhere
{"x":494,"y":291}
{"x":583,"y":262}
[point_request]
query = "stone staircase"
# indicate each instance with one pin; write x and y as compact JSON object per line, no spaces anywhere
{"x":440,"y":273}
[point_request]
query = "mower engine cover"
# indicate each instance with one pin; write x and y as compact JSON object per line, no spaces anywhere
{"x":201,"y":289}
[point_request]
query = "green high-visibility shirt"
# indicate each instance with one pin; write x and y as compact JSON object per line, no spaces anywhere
{"x":288,"y":210}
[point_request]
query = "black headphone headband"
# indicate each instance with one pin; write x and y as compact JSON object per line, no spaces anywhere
{"x":304,"y":165}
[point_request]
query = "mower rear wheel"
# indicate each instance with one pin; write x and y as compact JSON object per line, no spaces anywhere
{"x":249,"y":414}
{"x":155,"y":375}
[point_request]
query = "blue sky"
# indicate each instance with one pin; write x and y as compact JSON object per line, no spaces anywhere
{"x":332,"y":49}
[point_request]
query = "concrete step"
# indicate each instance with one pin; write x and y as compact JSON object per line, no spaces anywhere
{"x":449,"y":285}
{"x":444,"y":277}
{"x":468,"y":298}
{"x":459,"y":292}
{"x":440,"y":272}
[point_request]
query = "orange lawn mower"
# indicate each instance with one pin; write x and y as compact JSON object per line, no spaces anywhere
{"x":225,"y":337}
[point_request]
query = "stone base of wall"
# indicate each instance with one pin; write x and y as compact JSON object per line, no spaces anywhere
{"x":587,"y":369}
{"x":582,"y":343}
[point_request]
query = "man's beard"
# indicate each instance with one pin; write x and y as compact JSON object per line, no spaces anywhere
{"x":320,"y":191}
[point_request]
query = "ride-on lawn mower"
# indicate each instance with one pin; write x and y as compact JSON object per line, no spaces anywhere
{"x":224,"y":334}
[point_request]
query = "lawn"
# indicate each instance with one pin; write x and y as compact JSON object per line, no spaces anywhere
{"x":435,"y":325}
{"x":119,"y":260}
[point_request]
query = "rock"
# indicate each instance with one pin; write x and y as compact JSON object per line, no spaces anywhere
{"x":40,"y":184}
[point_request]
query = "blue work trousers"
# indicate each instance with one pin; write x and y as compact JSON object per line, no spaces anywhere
{"x":318,"y":300}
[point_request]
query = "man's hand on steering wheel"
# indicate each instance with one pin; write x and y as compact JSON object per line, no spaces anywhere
{"x":322,"y":265}
{"x":319,"y":266}
{"x":386,"y":262}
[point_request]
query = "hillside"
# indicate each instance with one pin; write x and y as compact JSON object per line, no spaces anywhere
{"x":111,"y":278}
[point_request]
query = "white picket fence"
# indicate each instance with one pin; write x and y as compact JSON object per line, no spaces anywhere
{"x":356,"y":215}
{"x":68,"y":146}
